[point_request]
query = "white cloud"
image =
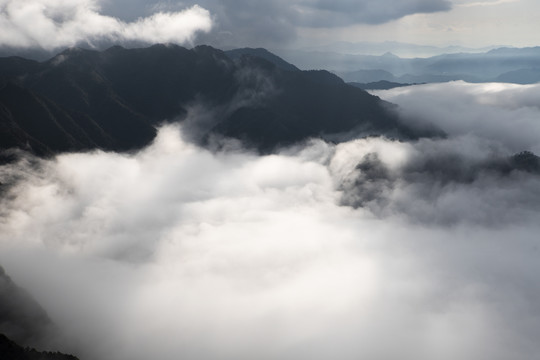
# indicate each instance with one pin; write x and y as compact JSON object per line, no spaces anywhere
{"x":506,"y":114}
{"x":178,"y":252}
{"x":51,"y":24}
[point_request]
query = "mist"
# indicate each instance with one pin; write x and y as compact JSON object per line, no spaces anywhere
{"x":364,"y":249}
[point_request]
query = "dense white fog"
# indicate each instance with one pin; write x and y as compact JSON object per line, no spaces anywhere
{"x":177,"y":252}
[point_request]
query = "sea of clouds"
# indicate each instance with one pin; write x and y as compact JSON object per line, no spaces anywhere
{"x":367,"y":249}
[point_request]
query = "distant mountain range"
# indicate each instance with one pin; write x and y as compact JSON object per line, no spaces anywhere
{"x":513,"y":65}
{"x":114,"y":100}
{"x":399,"y":48}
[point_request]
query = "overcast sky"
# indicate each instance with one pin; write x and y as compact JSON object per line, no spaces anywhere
{"x":275,"y":23}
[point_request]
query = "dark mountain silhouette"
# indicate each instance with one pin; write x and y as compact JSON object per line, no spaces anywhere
{"x":526,"y":161}
{"x":431,"y":170}
{"x":23,"y":325}
{"x":21,"y":317}
{"x":36,"y":123}
{"x":10,"y":350}
{"x":114,"y":99}
{"x":379,"y":85}
{"x":368,"y":76}
{"x":263,"y":54}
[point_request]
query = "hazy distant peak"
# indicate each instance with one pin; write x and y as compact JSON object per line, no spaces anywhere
{"x":512,"y":51}
{"x":389,"y":55}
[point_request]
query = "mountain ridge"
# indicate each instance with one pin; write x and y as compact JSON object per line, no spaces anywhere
{"x":114,"y":100}
{"x":473,"y":67}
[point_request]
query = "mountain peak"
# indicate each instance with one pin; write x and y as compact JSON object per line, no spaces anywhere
{"x":115,"y":99}
{"x":390,"y":55}
{"x":263,"y":54}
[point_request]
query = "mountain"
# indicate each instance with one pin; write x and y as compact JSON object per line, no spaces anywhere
{"x":263,"y":54}
{"x":520,"y":76}
{"x":379,"y":85}
{"x":519,"y":65}
{"x":23,"y":323}
{"x":21,"y":317}
{"x":369,"y":76}
{"x":10,"y":350}
{"x":399,"y":48}
{"x":114,"y":100}
{"x":34,"y":122}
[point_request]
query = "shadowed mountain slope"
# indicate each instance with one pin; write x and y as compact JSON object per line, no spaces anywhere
{"x":21,"y":318}
{"x":23,"y":323}
{"x":114,"y":99}
{"x":263,"y":54}
{"x":10,"y":350}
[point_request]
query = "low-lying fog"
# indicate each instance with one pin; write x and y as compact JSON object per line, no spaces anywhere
{"x":370,"y":249}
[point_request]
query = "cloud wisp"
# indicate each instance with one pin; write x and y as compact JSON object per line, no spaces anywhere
{"x":52,"y":24}
{"x":180,"y":252}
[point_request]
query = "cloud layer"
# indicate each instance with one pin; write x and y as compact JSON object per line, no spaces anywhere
{"x":326,"y":13}
{"x":505,"y":115}
{"x":271,"y":23}
{"x":57,"y":23}
{"x":51,"y":24}
{"x":179,"y":252}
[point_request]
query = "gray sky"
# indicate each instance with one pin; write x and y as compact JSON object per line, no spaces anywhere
{"x":276,"y":23}
{"x":468,"y":23}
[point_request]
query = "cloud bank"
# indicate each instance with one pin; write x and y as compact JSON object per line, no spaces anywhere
{"x":58,"y":23}
{"x":505,"y":115}
{"x":51,"y":24}
{"x":326,"y":13}
{"x":243,"y":22}
{"x":179,"y":252}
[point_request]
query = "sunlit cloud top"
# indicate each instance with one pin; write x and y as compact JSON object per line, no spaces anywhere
{"x":52,"y":24}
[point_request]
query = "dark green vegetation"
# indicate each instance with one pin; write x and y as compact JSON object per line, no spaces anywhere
{"x":114,"y":99}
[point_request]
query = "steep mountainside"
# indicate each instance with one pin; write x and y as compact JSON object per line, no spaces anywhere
{"x":23,"y":325}
{"x":263,"y":54}
{"x":21,"y":318}
{"x":114,"y":99}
